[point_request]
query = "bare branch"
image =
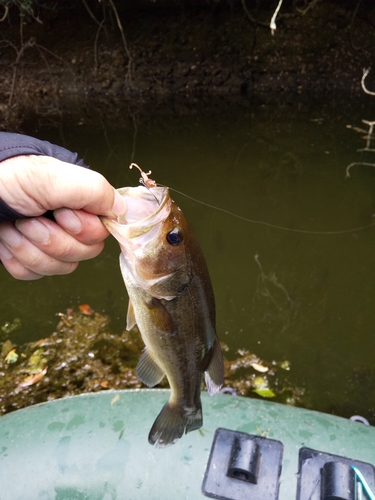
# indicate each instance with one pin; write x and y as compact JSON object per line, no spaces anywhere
{"x":310,"y":6}
{"x":365,"y":73}
{"x":96,"y":62}
{"x":130,"y":59}
{"x":91,"y":14}
{"x":6,"y":10}
{"x":252,"y":19}
{"x":369,"y":137}
{"x":273,"y":19}
{"x":20,"y":52}
{"x":357,"y":163}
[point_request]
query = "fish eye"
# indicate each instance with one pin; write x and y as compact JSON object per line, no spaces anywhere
{"x":174,"y":237}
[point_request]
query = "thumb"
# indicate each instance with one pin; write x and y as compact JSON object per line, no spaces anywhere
{"x":31,"y":185}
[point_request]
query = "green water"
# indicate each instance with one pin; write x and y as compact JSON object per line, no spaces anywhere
{"x":307,"y":298}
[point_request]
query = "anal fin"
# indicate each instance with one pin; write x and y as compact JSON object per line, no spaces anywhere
{"x":148,"y":371}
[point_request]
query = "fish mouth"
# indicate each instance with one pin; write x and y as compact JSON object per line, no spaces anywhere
{"x":153,"y":202}
{"x":145,"y":206}
{"x":146,"y":209}
{"x":138,"y":229}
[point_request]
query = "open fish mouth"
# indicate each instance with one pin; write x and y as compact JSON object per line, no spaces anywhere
{"x":143,"y":204}
{"x":147,"y":208}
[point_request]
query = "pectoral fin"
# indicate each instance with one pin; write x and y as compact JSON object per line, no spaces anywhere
{"x":214,"y":375}
{"x":148,"y":371}
{"x":130,"y":318}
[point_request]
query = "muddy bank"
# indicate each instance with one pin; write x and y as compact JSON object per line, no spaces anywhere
{"x":185,"y":56}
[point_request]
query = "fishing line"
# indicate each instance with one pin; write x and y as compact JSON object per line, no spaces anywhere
{"x":268,"y":224}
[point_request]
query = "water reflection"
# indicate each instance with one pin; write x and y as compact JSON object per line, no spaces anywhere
{"x":283,"y":292}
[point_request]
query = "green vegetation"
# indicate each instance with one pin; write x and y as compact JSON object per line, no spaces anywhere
{"x":83,"y":355}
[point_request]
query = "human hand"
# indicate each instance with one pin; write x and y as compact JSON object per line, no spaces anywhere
{"x":36,"y":247}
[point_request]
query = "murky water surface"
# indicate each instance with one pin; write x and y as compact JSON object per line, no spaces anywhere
{"x":293,"y":270}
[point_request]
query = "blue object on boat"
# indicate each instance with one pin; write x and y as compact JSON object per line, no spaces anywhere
{"x":364,"y":483}
{"x":325,"y":476}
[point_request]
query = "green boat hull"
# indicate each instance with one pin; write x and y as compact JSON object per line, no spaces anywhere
{"x":95,"y":446}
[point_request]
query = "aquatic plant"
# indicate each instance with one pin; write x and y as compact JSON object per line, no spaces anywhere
{"x":83,"y":355}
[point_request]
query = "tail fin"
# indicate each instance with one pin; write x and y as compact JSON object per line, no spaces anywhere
{"x":172,"y":422}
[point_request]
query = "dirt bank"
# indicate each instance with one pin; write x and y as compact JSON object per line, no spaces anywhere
{"x":194,"y":52}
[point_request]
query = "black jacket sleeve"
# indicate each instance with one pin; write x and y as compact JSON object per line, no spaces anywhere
{"x":16,"y":145}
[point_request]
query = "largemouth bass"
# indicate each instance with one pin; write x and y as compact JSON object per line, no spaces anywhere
{"x":172,"y":302}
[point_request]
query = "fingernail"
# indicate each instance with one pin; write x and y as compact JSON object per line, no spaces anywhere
{"x":68,"y":220}
{"x":10,"y":237}
{"x":34,"y":230}
{"x":119,"y":205}
{"x":4,"y":253}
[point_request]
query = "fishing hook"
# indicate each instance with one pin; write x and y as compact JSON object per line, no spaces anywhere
{"x":145,"y":181}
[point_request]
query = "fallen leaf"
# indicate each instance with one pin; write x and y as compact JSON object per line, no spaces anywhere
{"x":259,"y":430}
{"x":11,"y":357}
{"x":116,"y":398}
{"x":39,"y":343}
{"x":6,"y":347}
{"x":64,"y":321}
{"x":33,"y":379}
{"x":36,"y":362}
{"x":86,"y":309}
{"x":285,"y":365}
{"x":265,"y":392}
{"x":260,"y":368}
